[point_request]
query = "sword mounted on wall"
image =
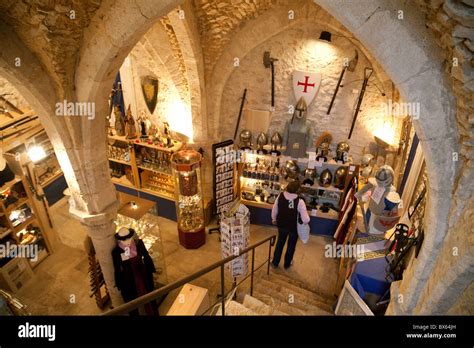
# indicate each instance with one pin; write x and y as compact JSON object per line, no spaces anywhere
{"x":268,"y":62}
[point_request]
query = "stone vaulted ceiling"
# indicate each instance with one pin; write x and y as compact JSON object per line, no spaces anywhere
{"x":219,"y":20}
{"x":51,"y":31}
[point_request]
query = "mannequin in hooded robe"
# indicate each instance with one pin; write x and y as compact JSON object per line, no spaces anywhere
{"x":134,"y":269}
{"x":297,"y":133}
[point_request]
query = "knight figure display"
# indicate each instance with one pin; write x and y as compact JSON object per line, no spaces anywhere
{"x":297,"y":133}
{"x":383,"y":211}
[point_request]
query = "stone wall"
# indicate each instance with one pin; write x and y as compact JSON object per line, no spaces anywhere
{"x":298,"y":48}
{"x":12,"y":95}
{"x":452,"y":22}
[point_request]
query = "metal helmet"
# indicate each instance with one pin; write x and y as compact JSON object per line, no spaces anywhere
{"x":340,"y":177}
{"x":245,"y":137}
{"x":291,"y":169}
{"x":276,"y":140}
{"x":325,"y":179}
{"x":342,"y":148}
{"x":384,"y":176}
{"x":300,"y":109}
{"x":367,"y":160}
{"x":324,"y":149}
{"x":310,"y":173}
{"x":262,"y":140}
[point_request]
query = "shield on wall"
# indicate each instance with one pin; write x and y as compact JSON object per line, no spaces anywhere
{"x":150,"y":91}
{"x":306,"y":84}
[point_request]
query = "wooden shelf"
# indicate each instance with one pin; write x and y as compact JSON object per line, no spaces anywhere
{"x":123,"y":181}
{"x":154,"y":170}
{"x":51,"y":179}
{"x":120,"y":161}
{"x":176,"y":144}
{"x":19,"y":203}
{"x":24,"y":224}
{"x":9,"y":184}
{"x":4,"y":234}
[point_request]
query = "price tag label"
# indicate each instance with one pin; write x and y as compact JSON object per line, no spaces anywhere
{"x":311,"y":164}
{"x":352,"y":168}
{"x":377,"y":194}
{"x":314,"y":212}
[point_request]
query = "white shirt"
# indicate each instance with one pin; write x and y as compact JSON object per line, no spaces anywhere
{"x":301,"y":207}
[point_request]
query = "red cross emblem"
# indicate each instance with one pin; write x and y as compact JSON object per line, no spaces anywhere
{"x":306,"y":84}
{"x":310,"y":81}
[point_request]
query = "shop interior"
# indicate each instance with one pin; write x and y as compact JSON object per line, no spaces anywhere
{"x":206,"y":123}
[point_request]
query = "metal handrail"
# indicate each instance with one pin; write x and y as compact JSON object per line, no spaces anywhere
{"x":153,"y":295}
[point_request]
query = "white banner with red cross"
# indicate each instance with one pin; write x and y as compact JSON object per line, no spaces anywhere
{"x":306,"y":84}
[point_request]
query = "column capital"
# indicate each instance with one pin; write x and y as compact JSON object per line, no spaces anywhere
{"x":95,"y":219}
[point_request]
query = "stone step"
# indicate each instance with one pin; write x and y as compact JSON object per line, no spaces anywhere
{"x":324,"y":295}
{"x":278,"y":305}
{"x":313,"y":297}
{"x":260,"y":307}
{"x":280,"y":300}
{"x":301,"y":297}
{"x":234,"y":308}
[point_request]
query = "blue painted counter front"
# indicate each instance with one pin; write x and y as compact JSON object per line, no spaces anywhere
{"x":318,"y":225}
{"x":54,"y":191}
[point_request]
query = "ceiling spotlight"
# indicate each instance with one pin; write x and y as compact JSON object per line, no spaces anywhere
{"x":325,"y":35}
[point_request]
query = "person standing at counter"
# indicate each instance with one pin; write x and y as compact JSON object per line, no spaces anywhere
{"x":285,"y":213}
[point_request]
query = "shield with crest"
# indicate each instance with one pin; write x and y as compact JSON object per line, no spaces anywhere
{"x":306,"y":84}
{"x":150,"y":91}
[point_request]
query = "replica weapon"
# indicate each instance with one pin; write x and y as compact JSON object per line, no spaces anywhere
{"x":349,"y":66}
{"x":367,"y":73}
{"x":242,"y":102}
{"x":268,"y":62}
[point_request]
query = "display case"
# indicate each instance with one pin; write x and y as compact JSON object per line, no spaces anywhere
{"x":135,"y":163}
{"x":140,"y":215}
{"x":188,"y":194}
{"x":263,"y":177}
{"x":19,"y":225}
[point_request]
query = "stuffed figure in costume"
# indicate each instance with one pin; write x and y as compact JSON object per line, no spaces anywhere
{"x":383,"y":212}
{"x":134,"y":268}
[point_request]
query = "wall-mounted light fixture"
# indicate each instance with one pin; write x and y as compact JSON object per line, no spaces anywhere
{"x":36,"y":153}
{"x":325,"y":36}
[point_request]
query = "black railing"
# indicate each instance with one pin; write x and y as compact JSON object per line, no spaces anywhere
{"x":155,"y":294}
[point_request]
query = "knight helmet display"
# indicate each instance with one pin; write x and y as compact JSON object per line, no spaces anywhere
{"x":325,"y":179}
{"x":276,"y":140}
{"x":384,"y":176}
{"x":245,"y":139}
{"x":291,"y":169}
{"x":262,"y":140}
{"x":300,"y":109}
{"x":309,"y":176}
{"x":340,"y":177}
{"x":342,"y":152}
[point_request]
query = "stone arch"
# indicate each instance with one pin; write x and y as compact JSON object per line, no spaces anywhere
{"x":260,"y":30}
{"x":412,"y":61}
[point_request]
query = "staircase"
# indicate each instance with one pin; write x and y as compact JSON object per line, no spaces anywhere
{"x":279,"y":294}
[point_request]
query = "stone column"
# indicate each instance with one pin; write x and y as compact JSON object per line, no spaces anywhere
{"x":101,"y":229}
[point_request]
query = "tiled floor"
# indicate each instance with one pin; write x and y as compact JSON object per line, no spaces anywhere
{"x":61,"y":284}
